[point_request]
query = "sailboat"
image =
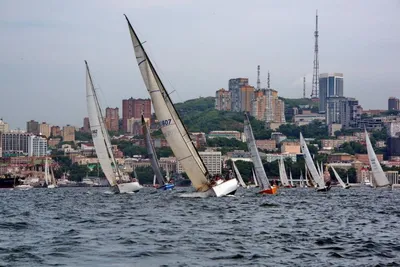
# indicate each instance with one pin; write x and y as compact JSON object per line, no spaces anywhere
{"x":302,"y":180}
{"x":266,"y":188}
{"x":238,"y":176}
{"x":311,"y":167}
{"x":379,"y":177}
{"x":151,"y":153}
{"x":119,"y":183}
{"x":51,"y":178}
{"x":291,"y":179}
{"x":282,"y":173}
{"x":174,"y":131}
{"x":256,"y":183}
{"x":345,"y":186}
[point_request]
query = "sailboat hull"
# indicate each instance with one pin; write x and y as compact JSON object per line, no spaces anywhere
{"x":225,"y":188}
{"x":324,"y":189}
{"x":51,"y":186}
{"x":269,"y":191}
{"x":129,"y":187}
{"x":167,"y":187}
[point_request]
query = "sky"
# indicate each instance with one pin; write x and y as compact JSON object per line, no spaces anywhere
{"x":196,"y":46}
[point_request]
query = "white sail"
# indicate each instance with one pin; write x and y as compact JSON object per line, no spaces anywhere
{"x":306,"y":175}
{"x":254,"y":177}
{"x":154,"y":180}
{"x":338,"y":178}
{"x":347,"y":179}
{"x":167,"y":176}
{"x":151,"y":153}
{"x":255,"y":156}
{"x":310,"y":164}
{"x":53,"y":178}
{"x":238,"y":176}
{"x":301,"y":179}
{"x":97,"y":128}
{"x":282,"y":172}
{"x":46,"y":172}
{"x":174,"y":131}
{"x":379,"y":176}
{"x":291,"y":179}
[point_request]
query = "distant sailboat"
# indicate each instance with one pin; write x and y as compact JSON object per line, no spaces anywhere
{"x":291,"y":179}
{"x":255,"y":156}
{"x":238,"y":176}
{"x":151,"y":153}
{"x":52,"y":179}
{"x":282,"y":173}
{"x":102,"y":142}
{"x":301,"y":179}
{"x":173,"y":129}
{"x":379,"y":177}
{"x":311,"y":167}
{"x":340,"y":179}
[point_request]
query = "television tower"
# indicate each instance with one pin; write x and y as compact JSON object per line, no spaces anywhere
{"x":304,"y":87}
{"x":315,"y":82}
{"x":268,"y":81}
{"x":258,"y":78}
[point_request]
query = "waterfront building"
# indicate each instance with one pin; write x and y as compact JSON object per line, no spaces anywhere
{"x":112,"y":119}
{"x":267,"y":144}
{"x":33,"y":127}
{"x":273,"y":157}
{"x":223,"y":99}
{"x":37,"y":146}
{"x":212,"y":160}
{"x":290,"y":146}
{"x":55,"y":131}
{"x":225,"y":134}
{"x":330,"y":85}
{"x":44,"y":129}
{"x":14,"y":143}
{"x":68,"y":133}
{"x":393,"y":103}
{"x":133,"y":108}
{"x":4,"y":127}
{"x":234,"y":89}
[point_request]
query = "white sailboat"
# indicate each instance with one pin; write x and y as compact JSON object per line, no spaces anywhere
{"x":266,"y":188}
{"x":282,"y":173}
{"x":118,"y":182}
{"x":311,"y":167}
{"x":52,"y":179}
{"x":173,"y":129}
{"x":378,"y":175}
{"x":238,"y":176}
{"x":291,"y":179}
{"x":340,"y":179}
{"x":301,"y":179}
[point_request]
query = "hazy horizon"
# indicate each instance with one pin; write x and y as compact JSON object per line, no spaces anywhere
{"x":197,"y":46}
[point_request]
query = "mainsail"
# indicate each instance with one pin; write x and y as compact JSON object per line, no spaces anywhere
{"x":46,"y":172}
{"x":99,"y":133}
{"x":151,"y":153}
{"x":310,"y":164}
{"x":238,"y":176}
{"x":338,"y":178}
{"x":171,"y":125}
{"x":255,"y":156}
{"x":379,"y":176}
{"x":282,"y":172}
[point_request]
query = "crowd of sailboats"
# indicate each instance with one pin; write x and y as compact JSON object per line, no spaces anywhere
{"x":186,"y":153}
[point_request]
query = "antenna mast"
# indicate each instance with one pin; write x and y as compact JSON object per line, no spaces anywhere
{"x":315,"y":82}
{"x":258,"y":78}
{"x":304,"y":87}
{"x":268,"y":80}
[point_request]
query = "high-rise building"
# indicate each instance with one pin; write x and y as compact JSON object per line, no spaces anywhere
{"x":258,"y":108}
{"x":3,"y":126}
{"x":234,"y":89}
{"x":333,"y":109}
{"x":37,"y":146}
{"x":86,"y":125}
{"x":133,"y":108}
{"x":223,"y":99}
{"x":330,"y":85}
{"x":212,"y":160}
{"x":246,"y":98}
{"x":55,"y":131}
{"x":33,"y":127}
{"x":112,"y":119}
{"x":15,"y":143}
{"x":268,"y":107}
{"x":350,"y":112}
{"x":68,"y":133}
{"x":393,"y":129}
{"x":393,"y":103}
{"x":44,"y":129}
{"x":393,"y":147}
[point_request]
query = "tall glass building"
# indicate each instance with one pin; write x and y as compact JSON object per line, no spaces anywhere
{"x":330,"y":85}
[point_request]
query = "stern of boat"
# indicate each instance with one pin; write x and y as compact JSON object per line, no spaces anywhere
{"x":270,"y":191}
{"x":225,"y":188}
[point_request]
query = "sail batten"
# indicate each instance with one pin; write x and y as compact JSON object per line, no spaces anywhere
{"x":171,"y":125}
{"x":378,"y":174}
{"x":255,"y":156}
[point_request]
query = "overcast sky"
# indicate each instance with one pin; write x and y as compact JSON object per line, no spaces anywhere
{"x":197,"y":46}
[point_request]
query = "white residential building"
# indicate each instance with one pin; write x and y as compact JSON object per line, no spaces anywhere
{"x":212,"y":160}
{"x":37,"y":146}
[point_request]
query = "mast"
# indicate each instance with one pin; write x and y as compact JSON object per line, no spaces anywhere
{"x":171,"y":125}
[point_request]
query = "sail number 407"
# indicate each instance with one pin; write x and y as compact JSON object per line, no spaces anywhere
{"x":165,"y":122}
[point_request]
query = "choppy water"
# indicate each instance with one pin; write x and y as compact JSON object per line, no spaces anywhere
{"x":298,"y":227}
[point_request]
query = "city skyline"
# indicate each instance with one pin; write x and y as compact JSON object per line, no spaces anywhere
{"x":46,"y":44}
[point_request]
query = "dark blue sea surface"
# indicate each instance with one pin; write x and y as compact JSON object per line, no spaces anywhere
{"x":297,"y":227}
